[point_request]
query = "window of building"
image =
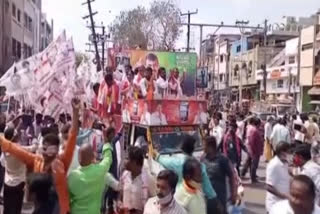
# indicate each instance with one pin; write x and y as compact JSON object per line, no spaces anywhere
{"x":19,"y":50}
{"x":25,"y":51}
{"x":238,"y":48}
{"x":7,"y":6}
{"x":29,"y":51}
{"x":280,"y":83}
{"x":221,"y":58}
{"x":307,"y":46}
{"x":25,"y":20}
{"x":13,"y":10}
{"x":30,"y":24}
{"x":14,"y":47}
{"x":19,"y":15}
{"x":236,"y":69}
{"x":292,"y":59}
{"x":221,"y":77}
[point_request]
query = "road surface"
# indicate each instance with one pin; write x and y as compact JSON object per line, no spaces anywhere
{"x":255,"y":193}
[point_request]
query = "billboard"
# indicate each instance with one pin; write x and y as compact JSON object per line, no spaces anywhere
{"x":185,"y":62}
{"x":165,"y":112}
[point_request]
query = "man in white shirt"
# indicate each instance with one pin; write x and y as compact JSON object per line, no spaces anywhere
{"x":301,"y":200}
{"x":280,"y":133}
{"x":202,"y":117}
{"x":145,"y":118}
{"x":158,"y":118}
{"x":164,"y":202}
{"x":303,"y":159}
{"x":125,"y":113}
{"x":161,"y":83}
{"x":277,"y":176}
{"x":217,"y":131}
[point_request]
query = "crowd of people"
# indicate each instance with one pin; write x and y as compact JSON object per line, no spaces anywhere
{"x":62,"y":167}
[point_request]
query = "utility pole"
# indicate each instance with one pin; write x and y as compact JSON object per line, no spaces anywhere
{"x":189,"y":20}
{"x":94,"y":40}
{"x":265,"y":31}
{"x":241,"y":25}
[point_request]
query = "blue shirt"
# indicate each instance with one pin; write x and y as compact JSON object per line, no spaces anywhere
{"x":175,"y":163}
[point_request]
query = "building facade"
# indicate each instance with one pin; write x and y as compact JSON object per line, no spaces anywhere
{"x":282,"y":74}
{"x":310,"y":67}
{"x":21,"y":31}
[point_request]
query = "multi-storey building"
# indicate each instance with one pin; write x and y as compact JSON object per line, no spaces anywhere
{"x":21,"y":30}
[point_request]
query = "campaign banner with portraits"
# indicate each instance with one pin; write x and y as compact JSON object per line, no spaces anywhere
{"x":165,"y":112}
{"x":186,"y":63}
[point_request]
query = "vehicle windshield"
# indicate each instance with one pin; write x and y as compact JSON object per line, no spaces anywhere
{"x":264,"y":117}
{"x":170,"y":142}
{"x":282,"y":110}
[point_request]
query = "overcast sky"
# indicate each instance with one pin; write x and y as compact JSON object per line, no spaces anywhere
{"x":67,"y":14}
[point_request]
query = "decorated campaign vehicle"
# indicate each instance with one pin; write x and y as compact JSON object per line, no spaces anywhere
{"x":161,"y":125}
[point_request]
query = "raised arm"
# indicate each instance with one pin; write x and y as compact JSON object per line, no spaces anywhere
{"x":14,"y":149}
{"x":82,"y":137}
{"x":207,"y":188}
{"x":107,"y":157}
{"x":67,"y":155}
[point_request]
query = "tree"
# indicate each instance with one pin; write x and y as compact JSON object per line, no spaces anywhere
{"x":158,"y":27}
{"x":81,"y":57}
{"x":128,"y":28}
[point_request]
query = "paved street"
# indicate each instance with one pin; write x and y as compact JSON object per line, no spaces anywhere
{"x":255,"y":193}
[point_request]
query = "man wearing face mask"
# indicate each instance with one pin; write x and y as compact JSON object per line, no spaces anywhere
{"x":164,"y":202}
{"x":277,"y":176}
{"x":189,"y":194}
{"x":301,"y":200}
{"x":307,"y":165}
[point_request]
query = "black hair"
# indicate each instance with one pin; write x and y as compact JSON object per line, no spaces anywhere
{"x":39,"y":116}
{"x":108,"y":77}
{"x":148,"y":69}
{"x":162,"y":69}
{"x":170,"y":176}
{"x":152,"y":57}
{"x":188,"y":145}
{"x":110,"y":131}
{"x":304,"y":117}
{"x":294,"y":117}
{"x":136,"y":154}
{"x":211,"y":142}
{"x":45,"y":131}
{"x":304,"y":150}
{"x":40,"y":184}
{"x":69,"y":117}
{"x":128,"y":66}
{"x":219,"y":115}
{"x":96,"y":86}
{"x":308,"y":182}
{"x":314,"y":119}
{"x":51,"y":139}
{"x":9,"y":133}
{"x":2,"y":127}
{"x":189,"y":167}
{"x":282,"y":147}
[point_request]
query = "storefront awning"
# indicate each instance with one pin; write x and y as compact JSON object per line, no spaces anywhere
{"x":314,"y":91}
{"x":315,"y":102}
